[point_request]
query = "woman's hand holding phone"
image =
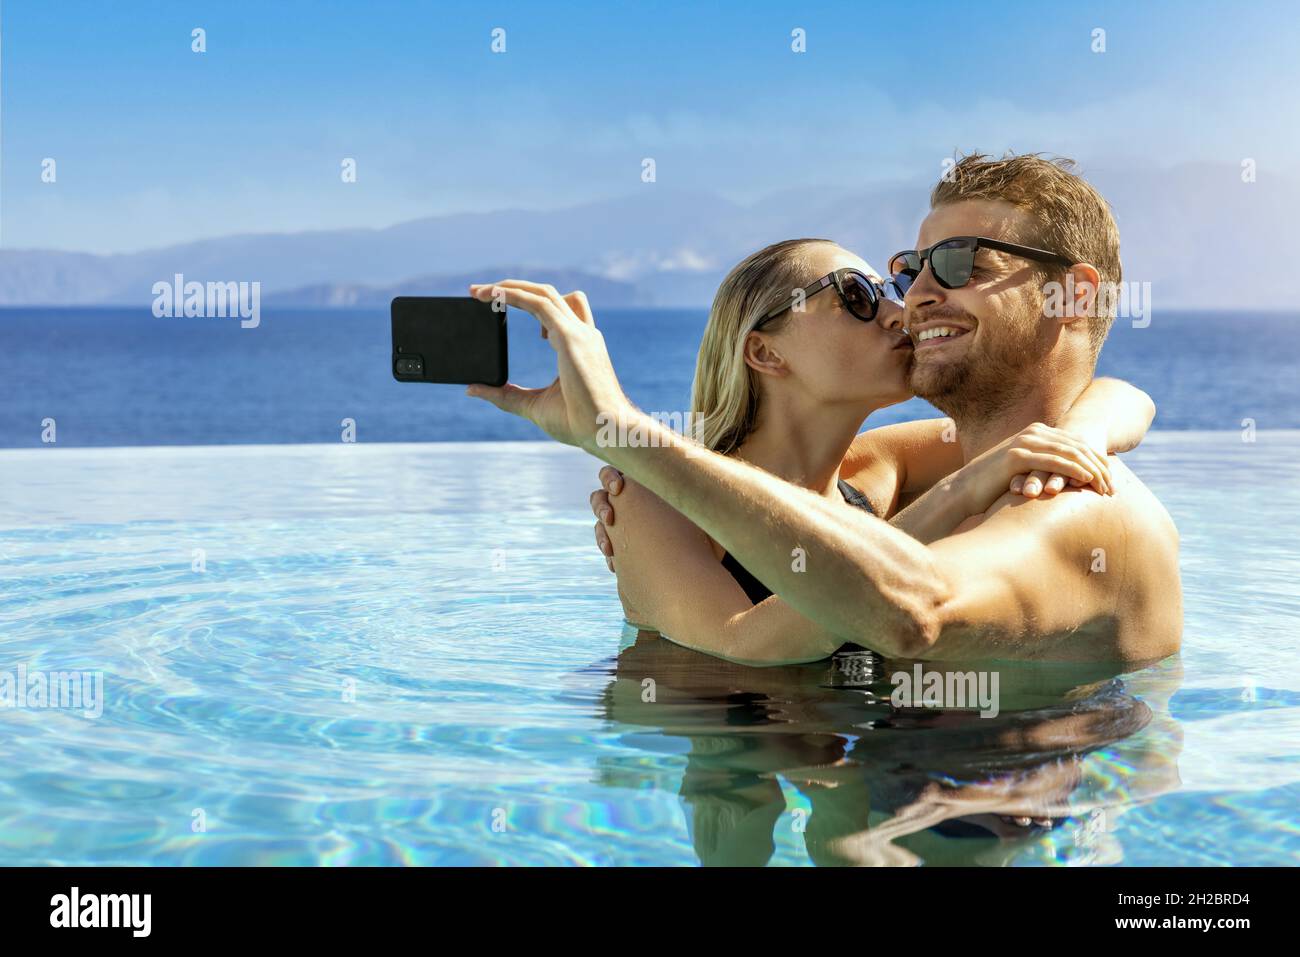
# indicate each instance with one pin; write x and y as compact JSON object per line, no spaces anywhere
{"x":586,"y":392}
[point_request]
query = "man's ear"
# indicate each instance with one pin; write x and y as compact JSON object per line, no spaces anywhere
{"x":761,"y":356}
{"x":1082,"y":282}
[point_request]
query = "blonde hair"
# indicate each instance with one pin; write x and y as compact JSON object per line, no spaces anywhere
{"x":725,"y":394}
{"x":1069,"y":215}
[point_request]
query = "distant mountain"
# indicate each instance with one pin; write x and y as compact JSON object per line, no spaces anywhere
{"x":657,"y":246}
{"x":608,"y":293}
{"x":1188,"y":231}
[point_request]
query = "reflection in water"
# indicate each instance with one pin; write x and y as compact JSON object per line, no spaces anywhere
{"x":1044,"y":780}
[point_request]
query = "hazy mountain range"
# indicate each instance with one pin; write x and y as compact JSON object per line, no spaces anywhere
{"x":1200,"y":235}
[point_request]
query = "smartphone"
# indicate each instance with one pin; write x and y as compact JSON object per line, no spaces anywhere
{"x":451,"y":339}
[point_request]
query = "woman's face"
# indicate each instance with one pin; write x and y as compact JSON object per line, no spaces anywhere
{"x":831,"y":355}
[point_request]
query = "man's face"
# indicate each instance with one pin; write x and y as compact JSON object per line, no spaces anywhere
{"x":997,"y":335}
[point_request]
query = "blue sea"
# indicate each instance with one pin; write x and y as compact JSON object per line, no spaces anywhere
{"x":111,"y":377}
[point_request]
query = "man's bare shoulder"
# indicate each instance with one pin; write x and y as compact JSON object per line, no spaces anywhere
{"x":1131,"y":525}
{"x":1082,"y":516}
{"x":1130,"y":546}
{"x":1090,"y":571}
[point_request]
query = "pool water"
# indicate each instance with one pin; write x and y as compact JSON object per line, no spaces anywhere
{"x":413,"y":654}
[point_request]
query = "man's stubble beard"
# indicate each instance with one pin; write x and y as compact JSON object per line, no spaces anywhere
{"x":988,"y":380}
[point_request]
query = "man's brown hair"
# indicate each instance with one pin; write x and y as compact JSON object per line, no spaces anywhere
{"x":1070,"y":217}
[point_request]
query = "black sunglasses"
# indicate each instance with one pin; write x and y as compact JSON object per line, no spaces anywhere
{"x":859,"y":293}
{"x":953,"y":260}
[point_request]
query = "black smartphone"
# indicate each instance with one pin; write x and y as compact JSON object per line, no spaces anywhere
{"x":451,"y":339}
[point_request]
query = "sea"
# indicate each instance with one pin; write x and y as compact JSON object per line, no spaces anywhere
{"x":122,"y":377}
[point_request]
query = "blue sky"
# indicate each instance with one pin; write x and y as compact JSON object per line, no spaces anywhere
{"x":156,"y":144}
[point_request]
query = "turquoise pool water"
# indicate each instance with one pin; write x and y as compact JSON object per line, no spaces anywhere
{"x":387,"y":654}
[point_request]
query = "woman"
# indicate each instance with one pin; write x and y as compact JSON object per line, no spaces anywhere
{"x":785,"y":382}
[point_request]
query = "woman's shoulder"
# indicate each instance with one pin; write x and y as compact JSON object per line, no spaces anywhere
{"x":895,"y":441}
{"x":884,"y":462}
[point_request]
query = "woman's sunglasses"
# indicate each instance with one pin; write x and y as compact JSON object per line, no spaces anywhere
{"x":859,"y":293}
{"x":953,"y":260}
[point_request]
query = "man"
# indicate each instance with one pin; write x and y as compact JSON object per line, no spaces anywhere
{"x":1007,"y":332}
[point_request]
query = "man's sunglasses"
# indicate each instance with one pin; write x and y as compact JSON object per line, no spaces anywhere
{"x":952,"y":260}
{"x":859,"y":293}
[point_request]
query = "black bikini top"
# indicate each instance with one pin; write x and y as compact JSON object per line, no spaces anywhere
{"x":754,"y":588}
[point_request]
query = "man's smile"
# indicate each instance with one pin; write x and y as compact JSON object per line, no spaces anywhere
{"x":934,"y":335}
